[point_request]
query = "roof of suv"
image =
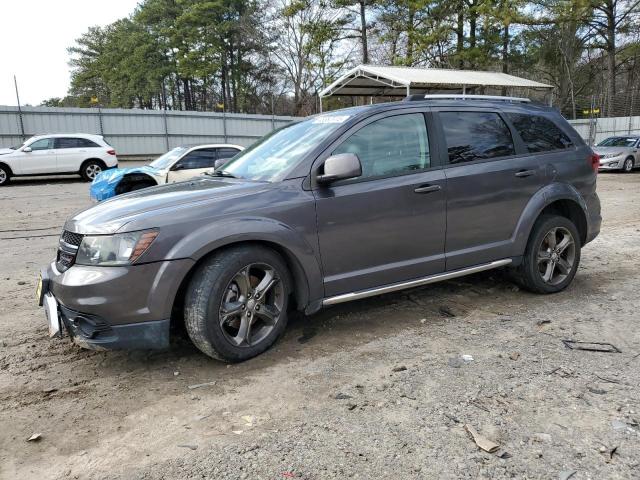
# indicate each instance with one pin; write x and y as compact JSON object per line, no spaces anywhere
{"x":90,"y":136}
{"x":453,"y":101}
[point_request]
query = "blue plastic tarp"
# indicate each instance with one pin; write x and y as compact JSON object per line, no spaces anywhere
{"x":105,"y":183}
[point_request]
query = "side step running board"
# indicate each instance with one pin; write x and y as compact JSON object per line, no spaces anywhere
{"x":439,"y":277}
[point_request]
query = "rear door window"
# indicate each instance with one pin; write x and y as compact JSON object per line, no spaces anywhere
{"x":66,"y":142}
{"x":390,"y":146}
{"x":475,"y":136}
{"x":198,"y":159}
{"x":539,"y":134}
{"x":226,"y":152}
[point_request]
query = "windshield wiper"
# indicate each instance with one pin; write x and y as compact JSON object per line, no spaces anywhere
{"x":220,"y":173}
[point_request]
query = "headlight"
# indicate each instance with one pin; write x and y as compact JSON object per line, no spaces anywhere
{"x":611,"y":155}
{"x":118,"y":249}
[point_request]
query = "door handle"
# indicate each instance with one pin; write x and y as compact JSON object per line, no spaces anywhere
{"x":525,"y":173}
{"x":428,"y":189}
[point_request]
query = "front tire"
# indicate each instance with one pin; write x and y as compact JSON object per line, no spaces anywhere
{"x":552,"y":255}
{"x":90,"y":170}
{"x":627,"y":166}
{"x":5,"y":175}
{"x":236,"y":303}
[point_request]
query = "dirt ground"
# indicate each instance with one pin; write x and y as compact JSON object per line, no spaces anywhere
{"x":372,"y":389}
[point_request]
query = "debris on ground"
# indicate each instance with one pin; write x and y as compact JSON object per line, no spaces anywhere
{"x":566,"y":474}
{"x":400,"y":368}
{"x":200,"y":385}
{"x":249,"y":420}
{"x":482,"y":442}
{"x":591,"y":346}
{"x":189,"y":446}
{"x":542,"y":322}
{"x":342,"y":396}
{"x":466,"y":358}
{"x":446,"y":311}
{"x":36,"y":437}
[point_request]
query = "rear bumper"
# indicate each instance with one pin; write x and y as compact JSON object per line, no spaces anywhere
{"x":126,"y":307}
{"x":594,"y":218}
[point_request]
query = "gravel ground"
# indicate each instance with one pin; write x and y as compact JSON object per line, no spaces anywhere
{"x":373,"y":389}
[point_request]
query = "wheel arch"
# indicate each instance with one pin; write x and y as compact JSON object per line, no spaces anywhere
{"x":557,"y":198}
{"x":99,"y":160}
{"x":299,"y":279}
{"x":5,"y":165}
{"x":133,"y":177}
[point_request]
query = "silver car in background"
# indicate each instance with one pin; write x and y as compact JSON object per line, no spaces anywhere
{"x":619,"y":153}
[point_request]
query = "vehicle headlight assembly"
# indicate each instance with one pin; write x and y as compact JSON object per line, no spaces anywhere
{"x":112,"y":250}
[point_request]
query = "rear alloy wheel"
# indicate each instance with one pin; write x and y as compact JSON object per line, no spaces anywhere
{"x":4,"y":175}
{"x":90,"y":170}
{"x":552,"y":255}
{"x":627,"y":166}
{"x":236,"y":303}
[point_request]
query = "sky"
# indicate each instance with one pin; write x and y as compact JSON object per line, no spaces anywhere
{"x":34,"y":37}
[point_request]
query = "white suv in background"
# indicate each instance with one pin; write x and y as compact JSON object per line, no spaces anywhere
{"x":65,"y":153}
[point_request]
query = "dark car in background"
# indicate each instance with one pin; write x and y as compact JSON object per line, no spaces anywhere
{"x":341,"y":206}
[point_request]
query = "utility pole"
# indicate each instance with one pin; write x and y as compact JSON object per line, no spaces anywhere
{"x":15,"y":83}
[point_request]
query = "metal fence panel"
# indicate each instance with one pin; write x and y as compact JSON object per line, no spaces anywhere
{"x":597,"y":129}
{"x":138,"y":132}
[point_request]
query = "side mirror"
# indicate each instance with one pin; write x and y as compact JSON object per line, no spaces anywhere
{"x":178,"y":166}
{"x":220,"y":162}
{"x":340,"y":167}
{"x":26,"y":149}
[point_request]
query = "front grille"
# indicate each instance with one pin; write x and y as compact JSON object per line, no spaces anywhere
{"x":69,"y":243}
{"x":71,"y":238}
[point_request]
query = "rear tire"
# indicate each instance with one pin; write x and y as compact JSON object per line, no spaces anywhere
{"x":236,"y":302}
{"x":90,"y":170}
{"x":5,"y":175}
{"x":627,"y":166}
{"x":552,"y":255}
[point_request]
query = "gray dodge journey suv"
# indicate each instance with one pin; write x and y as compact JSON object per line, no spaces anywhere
{"x":337,"y":207}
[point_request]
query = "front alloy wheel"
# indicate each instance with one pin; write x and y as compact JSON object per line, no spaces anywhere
{"x":236,"y":302}
{"x":627,"y":167}
{"x":252,"y":305}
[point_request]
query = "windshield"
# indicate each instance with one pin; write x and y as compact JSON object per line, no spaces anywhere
{"x":271,"y":157}
{"x":618,"y":142}
{"x":168,"y":159}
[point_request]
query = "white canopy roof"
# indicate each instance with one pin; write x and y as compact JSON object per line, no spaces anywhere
{"x":373,"y":80}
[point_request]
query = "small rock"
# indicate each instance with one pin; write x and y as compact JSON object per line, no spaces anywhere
{"x":514,"y":355}
{"x":190,"y":447}
{"x":542,"y":437}
{"x":175,"y":374}
{"x":342,"y":396}
{"x":543,"y":322}
{"x":466,"y":358}
{"x":446,"y":311}
{"x":400,"y":368}
{"x":22,"y":282}
{"x":36,"y":437}
{"x":351,"y":406}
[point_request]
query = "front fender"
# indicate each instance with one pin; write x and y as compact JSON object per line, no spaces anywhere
{"x":542,"y":198}
{"x":301,"y":256}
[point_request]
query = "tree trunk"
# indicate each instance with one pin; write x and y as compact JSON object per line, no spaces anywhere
{"x":460,"y":35}
{"x":505,"y":53}
{"x":473,"y":20}
{"x":363,"y":26}
{"x":410,"y":37}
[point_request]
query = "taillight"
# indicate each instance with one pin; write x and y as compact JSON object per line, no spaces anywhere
{"x":111,"y":152}
{"x":595,"y":161}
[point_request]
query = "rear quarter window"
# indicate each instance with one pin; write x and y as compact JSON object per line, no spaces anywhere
{"x":475,"y":136}
{"x":538,"y":133}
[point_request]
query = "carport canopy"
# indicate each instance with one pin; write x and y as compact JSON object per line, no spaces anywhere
{"x":373,"y":80}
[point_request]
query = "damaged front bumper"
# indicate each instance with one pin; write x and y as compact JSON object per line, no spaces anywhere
{"x":109,"y":308}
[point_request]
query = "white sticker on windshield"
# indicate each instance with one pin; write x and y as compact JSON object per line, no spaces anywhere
{"x":331,"y":119}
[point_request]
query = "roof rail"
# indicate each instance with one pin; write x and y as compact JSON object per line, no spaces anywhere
{"x":460,"y":96}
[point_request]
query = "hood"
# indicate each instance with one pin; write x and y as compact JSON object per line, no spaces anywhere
{"x":150,"y":207}
{"x":4,"y":151}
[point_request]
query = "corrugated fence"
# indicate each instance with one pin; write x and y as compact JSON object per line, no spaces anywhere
{"x":597,"y":129}
{"x":152,"y":132}
{"x":137,"y":132}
